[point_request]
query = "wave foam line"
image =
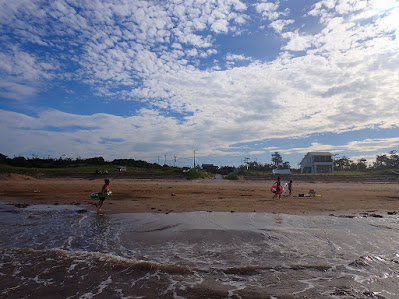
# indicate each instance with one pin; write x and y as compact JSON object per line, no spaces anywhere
{"x":106,"y":259}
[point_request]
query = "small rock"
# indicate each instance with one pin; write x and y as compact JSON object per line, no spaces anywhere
{"x":376,"y":216}
{"x":21,"y":205}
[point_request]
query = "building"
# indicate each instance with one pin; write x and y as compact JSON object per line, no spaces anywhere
{"x":209,"y":167}
{"x":317,"y":162}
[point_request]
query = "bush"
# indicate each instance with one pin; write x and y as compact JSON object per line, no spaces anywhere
{"x":195,"y":173}
{"x":231,"y":176}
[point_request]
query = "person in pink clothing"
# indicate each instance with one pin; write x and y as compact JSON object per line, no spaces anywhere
{"x":277,"y":189}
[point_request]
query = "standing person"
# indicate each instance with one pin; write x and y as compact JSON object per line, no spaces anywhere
{"x":278,"y":188}
{"x":290,"y":187}
{"x":104,"y":190}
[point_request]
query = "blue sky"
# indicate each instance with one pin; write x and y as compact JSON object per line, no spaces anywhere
{"x":229,"y":79}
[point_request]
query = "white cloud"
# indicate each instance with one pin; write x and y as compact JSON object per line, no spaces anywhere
{"x":22,"y":73}
{"x":114,"y":36}
{"x":84,"y":135}
{"x":220,"y":26}
{"x":350,"y":6}
{"x":279,"y":25}
{"x":16,"y":91}
{"x":345,"y":79}
{"x":268,"y":10}
{"x":237,"y":57}
{"x":297,"y":42}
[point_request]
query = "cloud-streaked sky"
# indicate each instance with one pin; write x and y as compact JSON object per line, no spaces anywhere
{"x":227,"y":78}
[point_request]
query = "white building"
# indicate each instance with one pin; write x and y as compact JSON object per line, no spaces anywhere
{"x":317,"y":162}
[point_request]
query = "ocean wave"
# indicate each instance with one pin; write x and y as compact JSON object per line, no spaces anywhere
{"x":369,"y":260}
{"x":99,"y":259}
{"x":158,"y":229}
{"x":95,"y":259}
{"x":252,"y":270}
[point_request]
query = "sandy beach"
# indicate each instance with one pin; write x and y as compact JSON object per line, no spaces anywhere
{"x":200,"y":238}
{"x":213,"y":195}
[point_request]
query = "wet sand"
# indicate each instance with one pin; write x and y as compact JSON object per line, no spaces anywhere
{"x":213,"y":195}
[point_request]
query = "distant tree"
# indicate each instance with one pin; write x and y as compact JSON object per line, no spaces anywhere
{"x":360,"y":165}
{"x":3,"y":158}
{"x":95,"y":160}
{"x":277,"y":159}
{"x":343,"y":163}
{"x":226,"y":170}
{"x":385,"y":161}
{"x":20,"y":162}
{"x":266,"y":167}
{"x":393,"y":159}
{"x":381,"y":161}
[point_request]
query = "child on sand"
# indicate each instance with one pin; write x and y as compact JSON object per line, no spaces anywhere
{"x":290,"y":187}
{"x":278,"y":189}
{"x":104,"y":189}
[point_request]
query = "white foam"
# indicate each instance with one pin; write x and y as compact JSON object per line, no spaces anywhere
{"x":208,"y":244}
{"x":101,"y":287}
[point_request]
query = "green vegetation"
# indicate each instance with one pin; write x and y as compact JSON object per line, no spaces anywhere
{"x":383,"y":165}
{"x":22,"y":165}
{"x":231,"y":176}
{"x":196,"y":173}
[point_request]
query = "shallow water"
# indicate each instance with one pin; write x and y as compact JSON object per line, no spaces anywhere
{"x":71,"y":252}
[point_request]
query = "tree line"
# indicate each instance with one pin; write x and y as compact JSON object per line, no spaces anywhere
{"x":277,"y":162}
{"x":36,"y":162}
{"x":383,"y":161}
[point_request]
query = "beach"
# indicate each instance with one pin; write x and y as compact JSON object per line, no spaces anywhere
{"x":213,"y":238}
{"x":338,"y":197}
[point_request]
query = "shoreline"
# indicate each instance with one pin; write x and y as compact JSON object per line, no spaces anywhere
{"x":340,"y":198}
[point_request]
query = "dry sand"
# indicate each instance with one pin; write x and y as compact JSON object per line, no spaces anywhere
{"x":216,"y":195}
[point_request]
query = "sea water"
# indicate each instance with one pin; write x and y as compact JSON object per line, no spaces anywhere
{"x":67,"y":251}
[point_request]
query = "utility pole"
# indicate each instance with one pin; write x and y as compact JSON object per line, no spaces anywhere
{"x":165,"y":159}
{"x":175,"y":160}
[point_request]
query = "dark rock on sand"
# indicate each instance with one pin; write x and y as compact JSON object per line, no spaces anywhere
{"x":21,"y":205}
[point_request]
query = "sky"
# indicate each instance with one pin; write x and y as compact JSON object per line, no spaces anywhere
{"x":224,"y":79}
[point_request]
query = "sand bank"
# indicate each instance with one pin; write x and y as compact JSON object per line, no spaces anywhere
{"x":216,"y":195}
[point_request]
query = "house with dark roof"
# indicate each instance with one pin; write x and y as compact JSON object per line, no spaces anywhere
{"x":317,"y":162}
